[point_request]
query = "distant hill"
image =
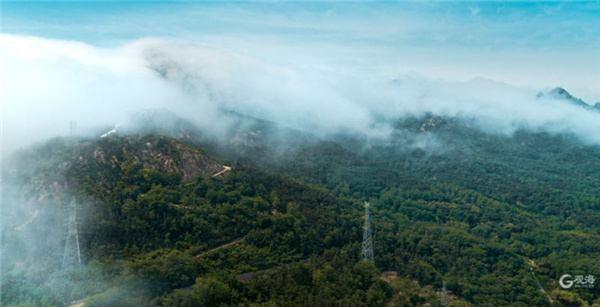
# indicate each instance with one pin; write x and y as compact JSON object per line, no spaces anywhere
{"x":562,"y":94}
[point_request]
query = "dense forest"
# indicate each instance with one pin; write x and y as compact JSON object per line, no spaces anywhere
{"x":497,"y":219}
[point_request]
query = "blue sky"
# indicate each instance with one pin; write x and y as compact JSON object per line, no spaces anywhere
{"x":330,"y":55}
{"x":466,"y":34}
{"x":552,"y":24}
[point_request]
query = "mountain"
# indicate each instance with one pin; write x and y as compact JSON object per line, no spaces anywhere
{"x":283,"y":225}
{"x":560,"y":93}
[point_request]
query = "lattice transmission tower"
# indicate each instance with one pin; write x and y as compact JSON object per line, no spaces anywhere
{"x":445,"y":293}
{"x":72,"y":127}
{"x":72,"y":255}
{"x":367,"y":244}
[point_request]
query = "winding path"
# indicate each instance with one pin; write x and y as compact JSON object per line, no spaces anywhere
{"x":225,"y":170}
{"x":236,"y":241}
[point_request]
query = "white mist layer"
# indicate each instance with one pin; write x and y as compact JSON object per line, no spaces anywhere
{"x":46,"y":83}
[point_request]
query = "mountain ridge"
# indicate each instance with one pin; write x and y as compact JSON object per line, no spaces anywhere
{"x":468,"y":214}
{"x":560,"y":93}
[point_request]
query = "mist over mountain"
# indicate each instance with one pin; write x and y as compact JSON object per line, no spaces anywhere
{"x":223,"y":153}
{"x":203,"y":83}
{"x":562,"y":94}
{"x":509,"y":199}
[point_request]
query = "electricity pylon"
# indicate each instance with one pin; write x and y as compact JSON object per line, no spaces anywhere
{"x":72,"y":127}
{"x":72,"y":255}
{"x":367,"y":244}
{"x":445,"y":295}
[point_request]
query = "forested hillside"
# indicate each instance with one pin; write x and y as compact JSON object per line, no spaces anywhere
{"x":300,"y":153}
{"x":498,"y":219}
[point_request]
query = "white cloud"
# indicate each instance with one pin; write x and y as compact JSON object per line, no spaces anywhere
{"x":46,"y":83}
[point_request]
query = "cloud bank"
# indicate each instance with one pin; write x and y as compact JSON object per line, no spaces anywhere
{"x":50,"y":82}
{"x":320,"y":67}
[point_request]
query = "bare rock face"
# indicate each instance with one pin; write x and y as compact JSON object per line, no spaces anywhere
{"x":177,"y":157}
{"x":49,"y":172}
{"x":161,"y":153}
{"x":432,"y":123}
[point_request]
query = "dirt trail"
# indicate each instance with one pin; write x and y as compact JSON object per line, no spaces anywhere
{"x":79,"y":303}
{"x":225,"y":170}
{"x":236,"y":241}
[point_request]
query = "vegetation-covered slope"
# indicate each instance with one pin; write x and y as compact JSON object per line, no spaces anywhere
{"x":152,"y":219}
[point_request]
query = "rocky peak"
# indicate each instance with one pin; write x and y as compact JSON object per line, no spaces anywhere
{"x":560,"y":93}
